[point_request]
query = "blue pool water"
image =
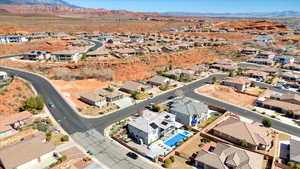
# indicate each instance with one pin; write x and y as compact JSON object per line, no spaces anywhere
{"x":177,"y":138}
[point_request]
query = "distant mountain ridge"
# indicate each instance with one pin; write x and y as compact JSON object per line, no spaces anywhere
{"x":37,"y":2}
{"x":238,"y":15}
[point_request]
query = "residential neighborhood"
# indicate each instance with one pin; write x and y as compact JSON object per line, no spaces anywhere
{"x":129,"y":85}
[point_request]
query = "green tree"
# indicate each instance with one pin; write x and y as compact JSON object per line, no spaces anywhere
{"x":291,"y":164}
{"x":172,"y":158}
{"x":231,"y":74}
{"x":33,"y":103}
{"x":243,"y":143}
{"x":214,"y":80}
{"x":267,"y":122}
{"x":64,"y":138}
{"x":253,"y":84}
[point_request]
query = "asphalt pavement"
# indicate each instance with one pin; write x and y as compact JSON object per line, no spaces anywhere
{"x":89,"y":132}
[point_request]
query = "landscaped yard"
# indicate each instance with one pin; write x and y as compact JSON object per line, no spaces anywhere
{"x":207,"y":122}
{"x":140,"y":95}
{"x":167,"y":87}
{"x":96,"y":111}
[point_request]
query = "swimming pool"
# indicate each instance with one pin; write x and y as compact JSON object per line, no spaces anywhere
{"x":172,"y":142}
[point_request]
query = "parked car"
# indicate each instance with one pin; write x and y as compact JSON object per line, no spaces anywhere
{"x":89,"y":152}
{"x":171,"y":97}
{"x":132,"y":155}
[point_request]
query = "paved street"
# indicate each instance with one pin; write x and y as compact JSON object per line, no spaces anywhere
{"x":89,"y":132}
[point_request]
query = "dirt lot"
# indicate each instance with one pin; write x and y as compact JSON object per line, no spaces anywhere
{"x":12,"y":96}
{"x":227,"y":94}
{"x":47,"y":23}
{"x":73,"y":89}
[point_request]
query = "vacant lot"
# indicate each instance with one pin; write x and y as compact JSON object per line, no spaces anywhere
{"x":72,"y":89}
{"x":227,"y":94}
{"x":12,"y":96}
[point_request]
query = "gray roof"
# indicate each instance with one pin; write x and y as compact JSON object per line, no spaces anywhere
{"x":65,"y":52}
{"x":131,"y":85}
{"x":295,"y":150}
{"x":224,"y":155}
{"x":188,"y":106}
{"x":93,"y":96}
{"x":159,"y":79}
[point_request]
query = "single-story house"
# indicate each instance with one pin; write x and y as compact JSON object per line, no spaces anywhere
{"x":239,"y":83}
{"x":234,"y":130}
{"x":93,"y":98}
{"x":151,"y":126}
{"x":185,"y":74}
{"x":66,"y":55}
{"x":98,"y":53}
{"x":265,"y":55}
{"x":290,"y":98}
{"x":159,"y":80}
{"x":284,"y":59}
{"x":224,"y":156}
{"x":12,"y":39}
{"x":110,"y":96}
{"x":249,"y":51}
{"x":189,"y":112}
{"x":280,"y":106}
{"x":261,"y":61}
{"x":256,"y":74}
{"x":292,"y":66}
{"x":36,"y":55}
{"x":131,"y":87}
{"x":27,"y":153}
{"x":290,"y":76}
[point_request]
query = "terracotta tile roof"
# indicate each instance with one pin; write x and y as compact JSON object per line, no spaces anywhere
{"x":225,"y":156}
{"x":25,"y":151}
{"x":251,"y":133}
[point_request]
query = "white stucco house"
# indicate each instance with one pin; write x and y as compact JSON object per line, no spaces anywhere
{"x":151,"y":126}
{"x":3,"y":75}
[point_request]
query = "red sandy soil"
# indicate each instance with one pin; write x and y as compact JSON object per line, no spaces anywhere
{"x":227,"y":94}
{"x":46,"y":44}
{"x":12,"y":96}
{"x":73,"y":89}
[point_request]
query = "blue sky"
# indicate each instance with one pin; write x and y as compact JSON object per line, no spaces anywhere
{"x":214,"y":6}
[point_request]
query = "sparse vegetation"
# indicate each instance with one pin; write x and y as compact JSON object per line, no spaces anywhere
{"x":267,"y":122}
{"x":33,"y":103}
{"x":159,"y":107}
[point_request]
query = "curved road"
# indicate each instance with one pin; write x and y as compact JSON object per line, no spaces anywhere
{"x":89,"y":132}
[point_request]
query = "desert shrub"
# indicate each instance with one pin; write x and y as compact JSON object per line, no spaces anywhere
{"x":33,"y":103}
{"x":172,"y":158}
{"x":267,"y":122}
{"x":64,"y":138}
{"x":41,"y":127}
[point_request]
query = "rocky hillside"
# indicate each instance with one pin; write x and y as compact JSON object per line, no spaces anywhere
{"x":63,"y":10}
{"x":36,"y":2}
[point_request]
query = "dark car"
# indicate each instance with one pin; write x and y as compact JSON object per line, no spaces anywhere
{"x":171,"y":97}
{"x":132,"y":155}
{"x":51,"y":105}
{"x":89,"y":152}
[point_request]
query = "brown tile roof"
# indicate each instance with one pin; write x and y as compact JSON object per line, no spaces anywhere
{"x":238,"y":80}
{"x":295,"y":108}
{"x":24,"y":151}
{"x":224,"y":156}
{"x":251,"y":133}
